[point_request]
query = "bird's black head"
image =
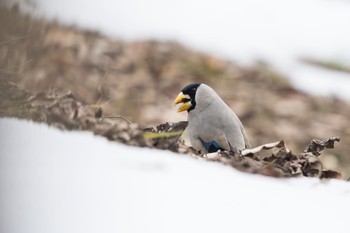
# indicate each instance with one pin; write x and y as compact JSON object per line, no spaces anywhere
{"x":191,"y":90}
{"x":187,"y":97}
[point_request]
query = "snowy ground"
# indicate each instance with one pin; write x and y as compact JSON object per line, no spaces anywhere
{"x":279,"y":32}
{"x":55,"y":181}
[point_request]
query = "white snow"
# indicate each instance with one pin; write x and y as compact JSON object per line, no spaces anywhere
{"x":278,"y":31}
{"x":59,"y":181}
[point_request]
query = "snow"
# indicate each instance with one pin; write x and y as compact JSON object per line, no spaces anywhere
{"x":60,"y":181}
{"x":279,"y":32}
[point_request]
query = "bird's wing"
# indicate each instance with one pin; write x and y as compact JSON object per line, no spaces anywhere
{"x":218,"y":142}
{"x":208,"y":138}
{"x":213,"y":145}
{"x":233,"y":129}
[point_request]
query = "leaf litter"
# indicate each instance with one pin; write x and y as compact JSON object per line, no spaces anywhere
{"x":64,"y":111}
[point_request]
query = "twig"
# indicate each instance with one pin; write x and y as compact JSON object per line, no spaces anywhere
{"x":118,"y":117}
{"x":13,"y":40}
{"x":19,"y":65}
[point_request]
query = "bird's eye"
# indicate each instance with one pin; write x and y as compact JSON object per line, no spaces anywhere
{"x":194,"y":89}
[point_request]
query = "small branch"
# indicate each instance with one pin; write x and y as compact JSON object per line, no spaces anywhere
{"x":13,"y":40}
{"x":118,"y":117}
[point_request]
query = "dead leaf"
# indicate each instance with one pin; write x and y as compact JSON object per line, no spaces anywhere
{"x":268,"y":146}
{"x":330,"y":174}
{"x":316,"y":146}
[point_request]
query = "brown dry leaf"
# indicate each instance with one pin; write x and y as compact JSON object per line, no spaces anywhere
{"x":330,"y":174}
{"x":268,"y":146}
{"x":316,"y":146}
{"x":312,"y":166}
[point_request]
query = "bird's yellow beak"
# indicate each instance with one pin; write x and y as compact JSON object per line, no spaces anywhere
{"x":185,"y":99}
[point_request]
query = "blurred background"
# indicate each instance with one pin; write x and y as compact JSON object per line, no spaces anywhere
{"x":283,"y":66}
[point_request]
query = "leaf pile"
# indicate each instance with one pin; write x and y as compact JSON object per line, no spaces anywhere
{"x":62,"y":110}
{"x":280,"y":163}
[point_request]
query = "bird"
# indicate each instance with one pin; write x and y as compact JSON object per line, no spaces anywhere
{"x":212,"y":124}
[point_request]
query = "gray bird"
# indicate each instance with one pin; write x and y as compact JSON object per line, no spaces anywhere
{"x":212,"y":125}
